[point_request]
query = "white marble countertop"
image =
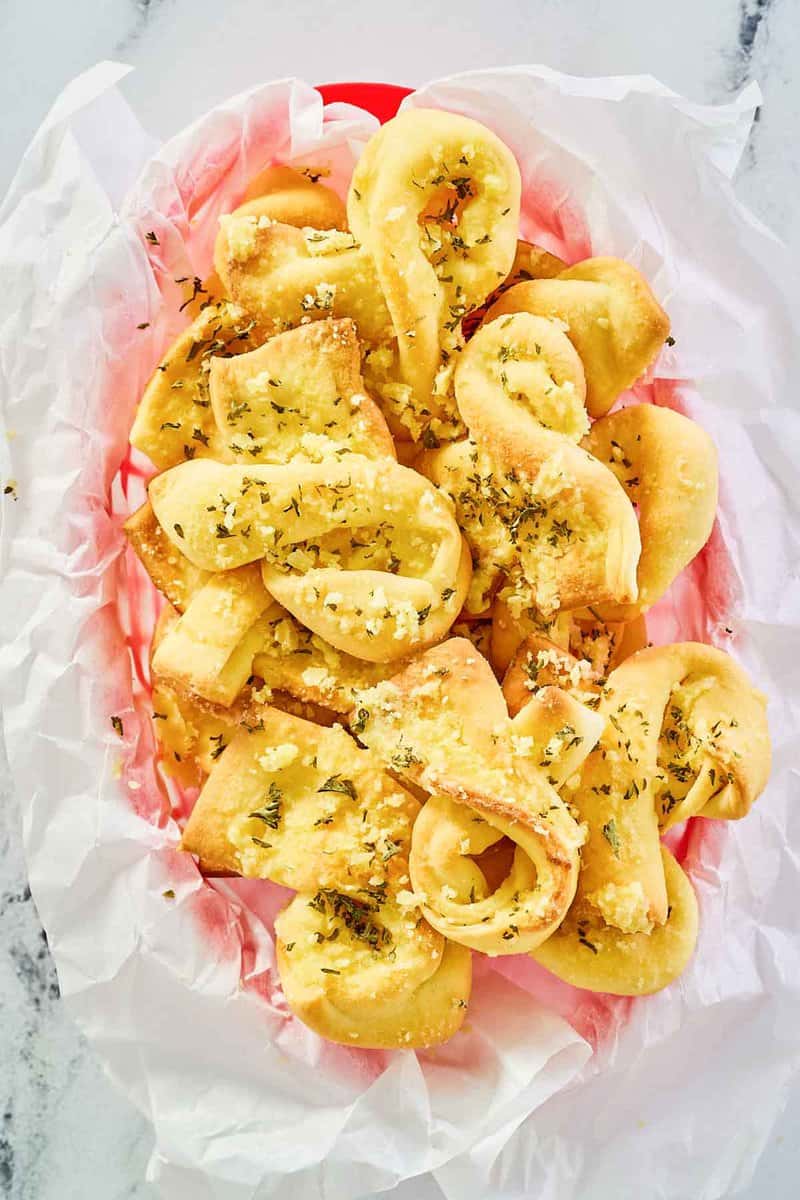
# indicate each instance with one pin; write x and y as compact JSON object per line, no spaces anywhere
{"x":66,"y":1134}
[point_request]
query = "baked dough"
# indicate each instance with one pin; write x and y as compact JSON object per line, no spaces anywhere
{"x":278,"y":193}
{"x":286,"y":194}
{"x":370,"y":973}
{"x":442,"y":723}
{"x":210,"y":648}
{"x":371,"y":438}
{"x":685,"y":734}
{"x":668,"y":466}
{"x":587,"y":953}
{"x":301,"y":393}
{"x":435,"y":200}
{"x":286,"y":276}
{"x":610,"y":315}
{"x":367,"y":554}
{"x":304,"y":806}
{"x":174,"y":421}
{"x":535,"y":503}
{"x":169,"y":569}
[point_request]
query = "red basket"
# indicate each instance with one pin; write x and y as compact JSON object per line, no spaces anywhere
{"x":380,"y":99}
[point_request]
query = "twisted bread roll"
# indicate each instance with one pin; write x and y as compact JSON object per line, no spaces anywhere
{"x":539,"y":506}
{"x":456,"y":898}
{"x":668,"y":465}
{"x":591,"y":652}
{"x":293,"y":671}
{"x":289,"y":278}
{"x":610,"y":315}
{"x":366,"y":554}
{"x":630,"y":888}
{"x":210,"y":648}
{"x":287,"y":195}
{"x":685,"y":734}
{"x":435,"y":200}
{"x":370,"y":972}
{"x":692,"y":718}
{"x":286,"y":276}
{"x":589,"y":954}
{"x":524,"y":908}
{"x":442,"y":723}
{"x":285,"y":655}
{"x":302,"y":805}
{"x":174,"y":420}
{"x":301,"y":393}
{"x":706,"y":740}
{"x":169,"y":569}
{"x":282,"y":194}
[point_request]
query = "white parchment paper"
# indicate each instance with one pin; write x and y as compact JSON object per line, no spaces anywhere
{"x":172,"y":978}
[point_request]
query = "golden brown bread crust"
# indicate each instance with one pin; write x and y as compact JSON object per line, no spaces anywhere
{"x":570,"y":531}
{"x":442,"y":723}
{"x":455,"y":180}
{"x":287,"y":195}
{"x":300,"y":393}
{"x":590,"y":954}
{"x":396,"y":985}
{"x":611,"y":317}
{"x":313,"y":787}
{"x":668,"y":466}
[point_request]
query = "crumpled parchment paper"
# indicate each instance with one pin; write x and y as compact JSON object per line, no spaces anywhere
{"x":548,"y":1092}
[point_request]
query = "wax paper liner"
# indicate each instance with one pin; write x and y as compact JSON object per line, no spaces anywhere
{"x":548,"y":1091}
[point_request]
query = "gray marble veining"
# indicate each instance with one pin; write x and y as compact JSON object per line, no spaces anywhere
{"x":66,"y":1134}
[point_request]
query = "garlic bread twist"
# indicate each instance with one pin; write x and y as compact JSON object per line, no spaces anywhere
{"x":685,"y":734}
{"x":668,"y":467}
{"x":305,"y":807}
{"x":301,"y":393}
{"x":285,"y":276}
{"x":435,"y":200}
{"x":208,"y":652}
{"x":610,"y":315}
{"x":174,"y":420}
{"x":370,"y":973}
{"x":442,"y":723}
{"x":366,"y":554}
{"x":536,"y":507}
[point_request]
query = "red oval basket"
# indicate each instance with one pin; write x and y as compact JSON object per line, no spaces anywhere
{"x":380,"y":99}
